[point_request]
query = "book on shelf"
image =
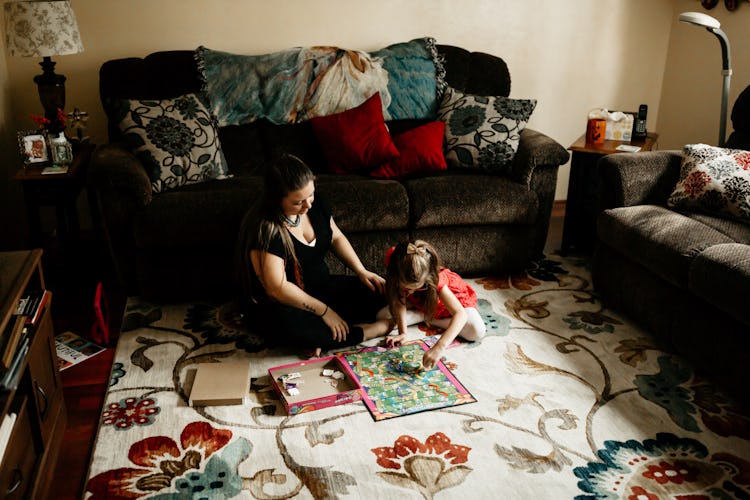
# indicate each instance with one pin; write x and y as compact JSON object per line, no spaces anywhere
{"x":13,"y":374}
{"x":73,"y":349}
{"x":32,"y":304}
{"x":14,"y":332}
{"x":6,"y":429}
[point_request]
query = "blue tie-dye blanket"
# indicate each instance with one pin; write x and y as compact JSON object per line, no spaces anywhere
{"x":297,"y":84}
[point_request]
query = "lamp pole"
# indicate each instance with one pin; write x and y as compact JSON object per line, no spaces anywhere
{"x":726,"y":71}
{"x":714,"y":26}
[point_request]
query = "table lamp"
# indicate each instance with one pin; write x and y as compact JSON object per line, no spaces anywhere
{"x":714,"y":26}
{"x":44,"y":29}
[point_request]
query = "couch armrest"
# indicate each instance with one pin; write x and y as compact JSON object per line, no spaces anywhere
{"x":114,"y":168}
{"x":646,"y":178}
{"x":536,"y":149}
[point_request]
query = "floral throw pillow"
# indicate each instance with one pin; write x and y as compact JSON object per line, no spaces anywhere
{"x":482,"y":133}
{"x":714,"y":180}
{"x":175,"y":139}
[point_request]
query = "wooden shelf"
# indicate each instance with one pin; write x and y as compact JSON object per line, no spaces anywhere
{"x":36,"y":437}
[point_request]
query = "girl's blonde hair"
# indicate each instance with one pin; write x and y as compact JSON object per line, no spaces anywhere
{"x":414,"y":263}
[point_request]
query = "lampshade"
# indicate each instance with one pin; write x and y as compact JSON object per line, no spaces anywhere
{"x":41,"y":29}
{"x":700,"y":19}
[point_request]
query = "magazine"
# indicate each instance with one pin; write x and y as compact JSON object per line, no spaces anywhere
{"x":72,"y":349}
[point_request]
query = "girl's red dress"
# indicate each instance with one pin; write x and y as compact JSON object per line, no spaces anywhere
{"x":461,"y":289}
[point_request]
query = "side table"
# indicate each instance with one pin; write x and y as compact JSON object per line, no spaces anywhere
{"x":582,"y":205}
{"x":55,"y":190}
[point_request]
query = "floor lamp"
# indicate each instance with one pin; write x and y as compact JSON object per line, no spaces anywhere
{"x":714,"y":26}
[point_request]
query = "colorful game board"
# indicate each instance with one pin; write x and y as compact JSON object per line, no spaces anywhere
{"x":395,"y":384}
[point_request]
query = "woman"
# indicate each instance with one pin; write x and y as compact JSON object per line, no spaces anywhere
{"x":281,"y":250}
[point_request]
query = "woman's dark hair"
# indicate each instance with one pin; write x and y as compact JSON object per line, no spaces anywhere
{"x":265,"y":220}
{"x":411,"y":263}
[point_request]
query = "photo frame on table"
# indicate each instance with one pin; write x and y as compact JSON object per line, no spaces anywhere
{"x":32,"y":146}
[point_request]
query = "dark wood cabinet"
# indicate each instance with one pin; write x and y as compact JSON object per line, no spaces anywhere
{"x":32,"y":449}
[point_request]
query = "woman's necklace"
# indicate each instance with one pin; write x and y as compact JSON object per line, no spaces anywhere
{"x":293,"y":222}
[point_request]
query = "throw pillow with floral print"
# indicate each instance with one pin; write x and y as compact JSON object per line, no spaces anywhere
{"x":714,"y":180}
{"x":175,"y":139}
{"x":482,"y":133}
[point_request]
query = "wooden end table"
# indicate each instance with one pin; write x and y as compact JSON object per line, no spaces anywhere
{"x":55,"y":190}
{"x":582,"y":205}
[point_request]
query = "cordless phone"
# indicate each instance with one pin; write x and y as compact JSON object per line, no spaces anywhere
{"x":639,"y":124}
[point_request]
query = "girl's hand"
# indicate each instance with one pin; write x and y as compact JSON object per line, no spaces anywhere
{"x":394,"y":340}
{"x":339,"y":327}
{"x":373,"y":281}
{"x":431,"y":357}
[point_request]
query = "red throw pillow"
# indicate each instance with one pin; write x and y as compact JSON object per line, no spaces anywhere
{"x":356,"y":139}
{"x":421,"y":151}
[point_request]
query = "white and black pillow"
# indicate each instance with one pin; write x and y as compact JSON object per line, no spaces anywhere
{"x":714,"y":180}
{"x":175,"y":139}
{"x":482,"y":133}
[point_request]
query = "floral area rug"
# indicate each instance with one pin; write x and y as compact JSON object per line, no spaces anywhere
{"x":573,"y":401}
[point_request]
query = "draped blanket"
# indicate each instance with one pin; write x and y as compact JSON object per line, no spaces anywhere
{"x":297,"y":84}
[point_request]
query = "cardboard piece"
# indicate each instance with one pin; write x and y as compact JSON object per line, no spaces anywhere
{"x":220,"y":384}
{"x":314,"y":390}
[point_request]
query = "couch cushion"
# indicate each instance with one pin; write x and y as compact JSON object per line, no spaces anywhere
{"x":661,"y":240}
{"x":362,"y":204}
{"x":736,"y":230}
{"x":297,"y":139}
{"x":175,"y":139}
{"x":357,"y":139}
{"x":458,"y":200}
{"x":721,"y":275}
{"x":483,"y":132}
{"x":244,"y":148}
{"x":196,"y":214}
{"x":421,"y":152}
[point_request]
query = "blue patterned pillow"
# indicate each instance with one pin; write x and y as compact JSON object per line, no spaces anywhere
{"x":175,"y":139}
{"x":482,"y":133}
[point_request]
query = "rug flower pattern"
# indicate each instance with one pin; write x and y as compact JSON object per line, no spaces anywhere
{"x":573,"y":402}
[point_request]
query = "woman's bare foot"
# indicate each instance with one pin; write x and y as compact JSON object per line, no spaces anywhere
{"x":315,"y":353}
{"x":379,"y":328}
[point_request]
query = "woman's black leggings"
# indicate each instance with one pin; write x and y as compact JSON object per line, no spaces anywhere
{"x":295,"y":328}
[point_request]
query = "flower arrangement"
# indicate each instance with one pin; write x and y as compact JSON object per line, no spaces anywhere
{"x":55,"y":126}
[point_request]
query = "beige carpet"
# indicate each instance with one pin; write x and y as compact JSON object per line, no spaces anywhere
{"x":572,"y":402}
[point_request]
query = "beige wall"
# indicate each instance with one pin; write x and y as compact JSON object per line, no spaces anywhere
{"x":571,"y":55}
{"x":691,"y":95}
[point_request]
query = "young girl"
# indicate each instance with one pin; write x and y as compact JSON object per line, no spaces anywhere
{"x":419,"y":288}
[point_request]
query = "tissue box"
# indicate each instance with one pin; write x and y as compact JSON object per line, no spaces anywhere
{"x":619,"y":130}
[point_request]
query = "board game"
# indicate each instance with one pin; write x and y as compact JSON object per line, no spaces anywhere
{"x":314,"y":384}
{"x":395,"y":384}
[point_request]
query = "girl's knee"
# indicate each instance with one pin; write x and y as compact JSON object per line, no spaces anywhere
{"x":474,"y":329}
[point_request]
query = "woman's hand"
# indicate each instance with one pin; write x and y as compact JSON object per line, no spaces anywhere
{"x":431,"y":357}
{"x":373,"y":281}
{"x":339,"y":327}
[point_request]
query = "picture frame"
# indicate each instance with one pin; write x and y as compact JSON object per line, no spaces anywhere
{"x":33,"y":148}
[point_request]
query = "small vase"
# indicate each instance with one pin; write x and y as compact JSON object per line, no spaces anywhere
{"x":62,"y":151}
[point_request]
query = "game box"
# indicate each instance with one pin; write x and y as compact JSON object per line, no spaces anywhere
{"x":314,"y":384}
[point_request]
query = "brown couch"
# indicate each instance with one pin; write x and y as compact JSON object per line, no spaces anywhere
{"x":179,"y":244}
{"x":684,"y":276}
